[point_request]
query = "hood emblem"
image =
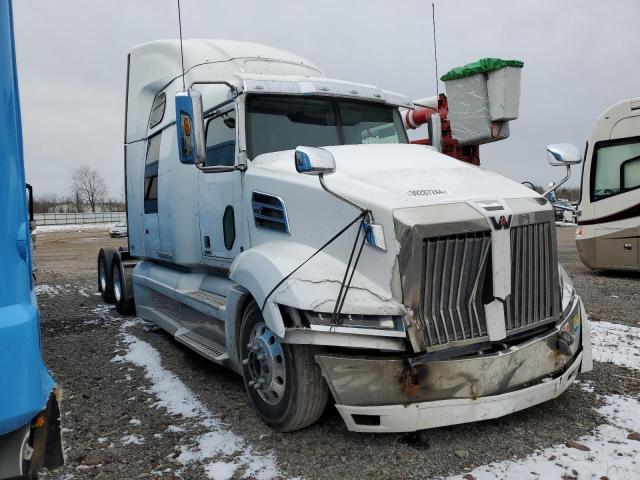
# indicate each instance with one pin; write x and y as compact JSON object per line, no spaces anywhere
{"x":503,"y":221}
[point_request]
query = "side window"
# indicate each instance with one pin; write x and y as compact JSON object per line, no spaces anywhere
{"x":616,"y":168}
{"x":151,"y":174}
{"x":157,"y":109}
{"x":221,"y":140}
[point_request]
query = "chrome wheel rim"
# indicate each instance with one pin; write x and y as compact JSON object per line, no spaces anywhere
{"x":102,"y":276}
{"x":117,"y":288}
{"x":266,"y":364}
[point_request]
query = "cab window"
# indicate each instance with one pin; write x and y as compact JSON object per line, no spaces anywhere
{"x":151,"y":174}
{"x":221,"y":140}
{"x":616,"y":168}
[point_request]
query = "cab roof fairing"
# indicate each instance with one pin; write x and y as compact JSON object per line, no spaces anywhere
{"x":154,"y":66}
{"x":319,"y":86}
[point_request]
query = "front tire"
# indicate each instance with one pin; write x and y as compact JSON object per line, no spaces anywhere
{"x":283,"y":381}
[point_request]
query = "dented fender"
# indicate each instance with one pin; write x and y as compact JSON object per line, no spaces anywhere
{"x":314,"y":286}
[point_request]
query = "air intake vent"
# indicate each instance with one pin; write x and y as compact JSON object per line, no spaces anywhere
{"x":269,"y":212}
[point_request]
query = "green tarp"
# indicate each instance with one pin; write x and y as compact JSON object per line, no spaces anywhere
{"x":483,"y":65}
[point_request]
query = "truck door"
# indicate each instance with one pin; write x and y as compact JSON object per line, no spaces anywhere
{"x":150,"y":221}
{"x":219,"y":211}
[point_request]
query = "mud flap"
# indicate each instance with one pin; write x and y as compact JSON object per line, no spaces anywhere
{"x":46,"y":437}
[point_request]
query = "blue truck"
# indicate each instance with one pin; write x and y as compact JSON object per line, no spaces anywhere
{"x":29,"y":411}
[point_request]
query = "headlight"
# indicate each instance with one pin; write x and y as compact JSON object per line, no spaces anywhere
{"x":570,"y":332}
{"x":377,"y":322}
{"x":566,"y":288}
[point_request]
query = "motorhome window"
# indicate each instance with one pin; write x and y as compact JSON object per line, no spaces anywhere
{"x":276,"y":123}
{"x":157,"y":109}
{"x":221,"y":140}
{"x":616,"y":168}
{"x":153,"y":149}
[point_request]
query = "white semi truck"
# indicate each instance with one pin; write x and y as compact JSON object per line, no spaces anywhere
{"x":281,"y":224}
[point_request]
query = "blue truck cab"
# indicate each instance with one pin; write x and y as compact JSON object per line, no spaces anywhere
{"x":29,"y":413}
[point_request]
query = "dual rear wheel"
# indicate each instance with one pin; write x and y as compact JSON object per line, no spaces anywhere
{"x":115,"y":282}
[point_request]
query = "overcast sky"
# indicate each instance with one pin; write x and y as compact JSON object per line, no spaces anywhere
{"x":580,"y":57}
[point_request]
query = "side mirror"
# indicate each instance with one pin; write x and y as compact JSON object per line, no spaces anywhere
{"x":190,"y":127}
{"x":314,"y":161}
{"x":563,"y":154}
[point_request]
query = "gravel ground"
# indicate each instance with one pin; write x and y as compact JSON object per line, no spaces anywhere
{"x":113,"y":427}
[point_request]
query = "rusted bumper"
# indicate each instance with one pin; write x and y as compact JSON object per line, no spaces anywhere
{"x":367,"y":385}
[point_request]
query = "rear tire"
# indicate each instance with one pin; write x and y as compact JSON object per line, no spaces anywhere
{"x":105,"y":267}
{"x":291,"y":393}
{"x":122,"y":287}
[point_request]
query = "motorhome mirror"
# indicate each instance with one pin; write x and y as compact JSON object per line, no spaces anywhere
{"x":314,"y":161}
{"x":190,"y":127}
{"x":563,"y":154}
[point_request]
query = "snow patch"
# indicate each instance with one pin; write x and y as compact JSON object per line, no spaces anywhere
{"x":220,"y":470}
{"x":50,"y":290}
{"x":610,"y":453}
{"x":72,"y":227}
{"x":224,"y":450}
{"x":135,"y":421}
{"x":131,"y":439}
{"x":615,"y":343}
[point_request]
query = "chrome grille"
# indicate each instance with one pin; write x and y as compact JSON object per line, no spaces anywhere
{"x":454,"y":269}
{"x":533,"y":277}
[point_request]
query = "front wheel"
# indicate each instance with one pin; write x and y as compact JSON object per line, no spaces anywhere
{"x":283,"y":381}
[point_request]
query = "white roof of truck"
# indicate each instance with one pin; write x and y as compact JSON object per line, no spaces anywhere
{"x":249,"y":66}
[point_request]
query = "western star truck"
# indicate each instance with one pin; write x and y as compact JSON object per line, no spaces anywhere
{"x":282,"y":224}
{"x":29,"y":412}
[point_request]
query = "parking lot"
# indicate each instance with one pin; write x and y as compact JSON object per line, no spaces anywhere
{"x":137,"y":404}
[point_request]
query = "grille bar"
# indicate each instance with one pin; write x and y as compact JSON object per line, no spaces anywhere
{"x":454,"y":269}
{"x":532,"y":280}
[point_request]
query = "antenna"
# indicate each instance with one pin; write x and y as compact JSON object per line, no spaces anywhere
{"x":435,"y":45}
{"x":181,"y":51}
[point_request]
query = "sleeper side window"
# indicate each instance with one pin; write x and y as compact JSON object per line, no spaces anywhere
{"x":151,"y":174}
{"x":157,"y":109}
{"x":221,"y":140}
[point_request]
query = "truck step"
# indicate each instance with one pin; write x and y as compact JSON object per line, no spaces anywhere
{"x":204,"y":346}
{"x":208,"y":298}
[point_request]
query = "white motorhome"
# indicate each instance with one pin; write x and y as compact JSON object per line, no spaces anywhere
{"x":281,"y":224}
{"x":609,"y":211}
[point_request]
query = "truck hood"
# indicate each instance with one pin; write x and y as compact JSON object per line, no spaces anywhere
{"x":400,"y":176}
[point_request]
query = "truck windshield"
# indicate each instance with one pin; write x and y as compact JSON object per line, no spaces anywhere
{"x":279,"y":122}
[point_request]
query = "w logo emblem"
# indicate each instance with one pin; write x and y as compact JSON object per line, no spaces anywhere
{"x":501,"y":222}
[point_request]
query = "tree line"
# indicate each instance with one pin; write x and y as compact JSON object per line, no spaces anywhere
{"x":87,"y":193}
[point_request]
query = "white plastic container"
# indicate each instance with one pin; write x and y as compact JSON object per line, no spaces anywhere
{"x":481,"y":105}
{"x":503,"y":86}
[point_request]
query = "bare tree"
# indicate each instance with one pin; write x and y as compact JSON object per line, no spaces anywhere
{"x":46,"y":203}
{"x":87,"y":185}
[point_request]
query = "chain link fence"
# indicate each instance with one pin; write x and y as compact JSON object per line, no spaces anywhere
{"x":42,"y":219}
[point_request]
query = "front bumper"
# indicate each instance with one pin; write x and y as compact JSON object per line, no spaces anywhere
{"x":398,"y":394}
{"x":423,"y":415}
